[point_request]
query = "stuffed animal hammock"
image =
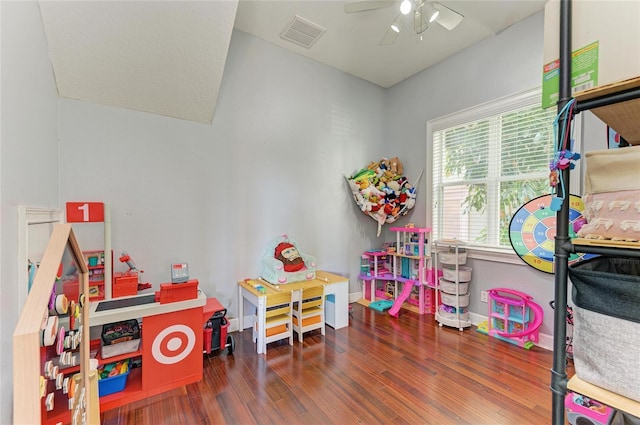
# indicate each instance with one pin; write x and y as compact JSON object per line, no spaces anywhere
{"x":382,"y":192}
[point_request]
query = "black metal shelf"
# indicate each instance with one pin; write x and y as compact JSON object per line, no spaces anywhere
{"x":563,"y":245}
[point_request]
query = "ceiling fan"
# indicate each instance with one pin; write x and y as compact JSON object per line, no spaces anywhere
{"x":424,"y":13}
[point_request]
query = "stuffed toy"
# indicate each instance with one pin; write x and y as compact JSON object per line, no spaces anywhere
{"x":382,"y":191}
{"x":290,"y":257}
{"x":393,"y":185}
{"x":395,"y":166}
{"x":283,"y":262}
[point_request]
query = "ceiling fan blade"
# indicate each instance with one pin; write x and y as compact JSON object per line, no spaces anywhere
{"x":448,"y":18}
{"x":353,"y":6}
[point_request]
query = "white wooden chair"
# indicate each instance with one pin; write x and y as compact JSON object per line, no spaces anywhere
{"x":277,"y":319}
{"x":308,"y":314}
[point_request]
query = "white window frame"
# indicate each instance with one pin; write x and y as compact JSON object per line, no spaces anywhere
{"x":501,"y":105}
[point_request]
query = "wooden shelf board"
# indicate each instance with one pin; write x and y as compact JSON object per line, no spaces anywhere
{"x":623,"y":117}
{"x":606,"y":243}
{"x":616,"y":87}
{"x":604,"y":396}
{"x":364,"y":302}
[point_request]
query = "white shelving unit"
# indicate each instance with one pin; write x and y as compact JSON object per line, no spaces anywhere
{"x":452,"y":255}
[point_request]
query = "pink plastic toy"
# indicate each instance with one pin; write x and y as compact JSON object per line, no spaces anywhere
{"x":583,"y":410}
{"x":514,"y":317}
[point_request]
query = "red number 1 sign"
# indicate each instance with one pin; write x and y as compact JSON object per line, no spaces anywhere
{"x":85,"y":212}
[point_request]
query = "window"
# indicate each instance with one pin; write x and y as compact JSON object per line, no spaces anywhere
{"x":487,"y":162}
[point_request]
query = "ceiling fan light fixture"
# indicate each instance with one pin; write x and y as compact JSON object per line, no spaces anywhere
{"x":430,"y":12}
{"x":420,"y":24}
{"x":405,"y":7}
{"x":424,"y":13}
{"x":397,"y":25}
{"x":448,"y":18}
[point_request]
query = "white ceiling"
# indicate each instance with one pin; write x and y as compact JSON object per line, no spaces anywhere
{"x":164,"y":57}
{"x":352,"y":41}
{"x":167,"y":57}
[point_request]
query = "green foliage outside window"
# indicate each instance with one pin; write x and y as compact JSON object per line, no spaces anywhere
{"x":507,"y":153}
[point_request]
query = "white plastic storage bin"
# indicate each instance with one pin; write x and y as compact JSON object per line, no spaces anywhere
{"x":464,"y":273}
{"x":450,"y":287}
{"x":448,"y":299}
{"x":120,"y":348}
{"x":450,"y":257}
{"x":449,"y":313}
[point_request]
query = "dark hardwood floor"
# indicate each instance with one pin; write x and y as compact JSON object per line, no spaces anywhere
{"x":379,"y":370}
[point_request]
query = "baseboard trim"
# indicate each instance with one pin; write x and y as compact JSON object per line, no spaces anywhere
{"x":545,"y":341}
{"x":354,"y":297}
{"x":234,"y":324}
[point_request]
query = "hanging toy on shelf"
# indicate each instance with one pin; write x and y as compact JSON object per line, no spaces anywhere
{"x":533,"y":225}
{"x":382,"y":192}
{"x":563,"y":156}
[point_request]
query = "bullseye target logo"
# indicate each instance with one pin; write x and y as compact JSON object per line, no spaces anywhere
{"x":173,"y":344}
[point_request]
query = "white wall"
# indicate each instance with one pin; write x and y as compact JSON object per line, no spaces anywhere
{"x":28,"y":156}
{"x":505,"y":64}
{"x":285,"y":131}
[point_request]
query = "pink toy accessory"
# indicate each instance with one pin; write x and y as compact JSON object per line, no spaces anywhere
{"x":583,"y":410}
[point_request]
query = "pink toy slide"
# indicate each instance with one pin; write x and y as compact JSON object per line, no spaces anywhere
{"x":406,"y":291}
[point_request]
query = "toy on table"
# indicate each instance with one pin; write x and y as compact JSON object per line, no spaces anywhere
{"x":257,"y":286}
{"x":126,"y":258}
{"x":283,"y":262}
{"x":513,"y":317}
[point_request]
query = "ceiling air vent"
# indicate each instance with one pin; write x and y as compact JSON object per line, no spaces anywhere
{"x":302,"y":31}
